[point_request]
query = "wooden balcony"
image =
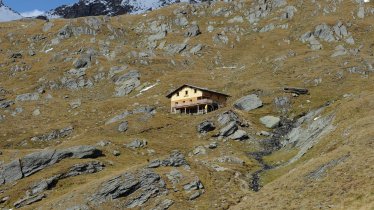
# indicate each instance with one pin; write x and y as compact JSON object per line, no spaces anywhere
{"x":193,"y":104}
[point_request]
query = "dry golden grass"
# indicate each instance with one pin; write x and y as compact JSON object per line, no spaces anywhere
{"x":346,"y":186}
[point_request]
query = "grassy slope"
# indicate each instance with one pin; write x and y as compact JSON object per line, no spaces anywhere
{"x":256,"y":53}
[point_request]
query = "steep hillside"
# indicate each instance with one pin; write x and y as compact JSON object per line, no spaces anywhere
{"x":85,"y":123}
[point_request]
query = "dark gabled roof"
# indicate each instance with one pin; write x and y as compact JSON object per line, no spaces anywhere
{"x":193,"y":86}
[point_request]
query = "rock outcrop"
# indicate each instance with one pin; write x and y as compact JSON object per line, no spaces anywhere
{"x":248,"y":103}
{"x":136,"y":187}
{"x":34,"y":162}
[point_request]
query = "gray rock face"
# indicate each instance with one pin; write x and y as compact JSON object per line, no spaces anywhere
{"x":156,"y":37}
{"x":123,"y":126}
{"x":84,"y":168}
{"x":196,"y":49}
{"x":126,"y":83}
{"x":37,"y":161}
{"x":11,"y":172}
{"x":339,"y":51}
{"x":163,"y":205}
{"x":154,"y":163}
{"x":137,"y":144}
{"x":34,"y":162}
{"x":267,"y":28}
{"x":28,"y":97}
{"x":205,"y":126}
{"x":28,"y":200}
{"x":68,"y":31}
{"x":227,"y":117}
{"x":93,"y":22}
{"x":147,"y":110}
{"x":55,"y":134}
{"x":175,"y":159}
{"x":75,"y":170}
{"x":192,"y":31}
{"x":239,"y":135}
{"x":340,"y":30}
{"x":282,"y":103}
{"x":200,"y":150}
{"x":361,"y":12}
{"x":194,"y":185}
{"x":270,"y":121}
{"x":324,"y":32}
{"x":229,"y":129}
{"x":307,"y":131}
{"x":44,"y":185}
{"x":248,"y":103}
{"x":181,"y":21}
{"x":82,"y":62}
{"x":173,"y":49}
{"x":313,"y":42}
{"x":321,"y":171}
{"x":221,"y":38}
{"x":137,"y":188}
{"x":119,"y":117}
{"x":289,"y":12}
{"x":75,"y":103}
{"x":6,"y":104}
{"x":230,"y":159}
{"x":236,"y":19}
{"x":79,"y":152}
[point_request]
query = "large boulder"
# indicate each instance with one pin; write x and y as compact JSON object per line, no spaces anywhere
{"x":172,"y":49}
{"x":205,"y":126}
{"x":270,"y":121}
{"x":126,"y":83}
{"x":79,"y":152}
{"x":28,"y":97}
{"x":137,"y":187}
{"x":192,"y":31}
{"x":175,"y":159}
{"x":229,"y":129}
{"x":137,"y":144}
{"x":181,"y":21}
{"x":227,"y":117}
{"x":82,"y":62}
{"x":239,"y":135}
{"x":248,"y":103}
{"x":11,"y":172}
{"x":123,"y":126}
{"x":34,"y":162}
{"x":6,"y":104}
{"x":282,"y":103}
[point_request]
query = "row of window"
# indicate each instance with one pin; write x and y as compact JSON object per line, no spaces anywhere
{"x":186,"y":92}
{"x":176,"y":103}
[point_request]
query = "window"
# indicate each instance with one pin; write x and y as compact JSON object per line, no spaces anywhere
{"x":195,"y":90}
{"x":176,"y":103}
{"x":184,"y":101}
{"x":178,"y":94}
{"x":191,"y":100}
{"x":186,"y":92}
